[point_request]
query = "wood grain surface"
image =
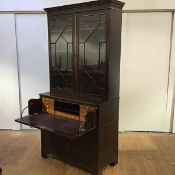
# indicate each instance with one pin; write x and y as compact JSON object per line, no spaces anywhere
{"x":139,"y":154}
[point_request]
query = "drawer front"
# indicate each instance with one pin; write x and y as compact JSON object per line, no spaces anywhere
{"x":84,"y":109}
{"x":48,"y":103}
{"x":83,"y":114}
{"x":50,"y":111}
{"x":48,"y":106}
{"x":48,"y":100}
{"x":87,"y":108}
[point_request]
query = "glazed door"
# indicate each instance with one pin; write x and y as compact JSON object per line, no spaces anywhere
{"x":61,"y":53}
{"x":92,"y":53}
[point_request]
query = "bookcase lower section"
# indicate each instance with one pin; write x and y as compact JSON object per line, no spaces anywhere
{"x":92,"y":148}
{"x":84,"y":152}
{"x":81,"y":152}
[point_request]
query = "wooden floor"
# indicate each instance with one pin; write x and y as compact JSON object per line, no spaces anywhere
{"x":139,"y":154}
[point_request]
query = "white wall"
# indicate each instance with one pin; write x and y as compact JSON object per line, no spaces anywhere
{"x":144,"y":65}
{"x":144,"y":72}
{"x":149,"y":4}
{"x":33,"y":55}
{"x":173,"y":80}
{"x":9,"y":96}
{"x":17,"y":5}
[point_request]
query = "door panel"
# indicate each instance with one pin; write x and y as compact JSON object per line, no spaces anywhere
{"x":144,"y":72}
{"x":92,"y":53}
{"x":33,"y":55}
{"x":61,"y":56}
{"x":9,"y":93}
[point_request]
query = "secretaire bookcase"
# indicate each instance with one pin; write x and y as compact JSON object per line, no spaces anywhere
{"x":78,"y":118}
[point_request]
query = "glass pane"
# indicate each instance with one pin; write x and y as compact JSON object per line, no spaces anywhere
{"x":92,"y":53}
{"x":53,"y":56}
{"x":61,"y":53}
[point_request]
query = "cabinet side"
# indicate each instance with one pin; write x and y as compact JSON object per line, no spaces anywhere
{"x":114,"y":52}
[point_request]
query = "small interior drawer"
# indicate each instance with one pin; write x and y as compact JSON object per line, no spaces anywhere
{"x":47,"y":99}
{"x":49,"y":106}
{"x":50,"y":111}
{"x":87,"y":108}
{"x":48,"y":103}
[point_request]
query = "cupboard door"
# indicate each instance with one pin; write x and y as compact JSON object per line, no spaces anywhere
{"x":146,"y":89}
{"x":92,"y":53}
{"x":61,"y":53}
